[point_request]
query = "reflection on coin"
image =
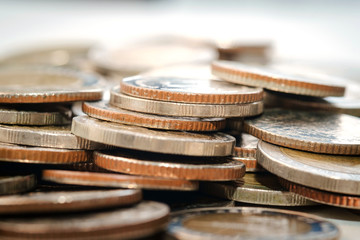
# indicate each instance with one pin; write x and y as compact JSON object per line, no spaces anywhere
{"x":16,"y":184}
{"x":113,"y":180}
{"x":104,"y":111}
{"x":46,"y":136}
{"x":184,"y":109}
{"x":133,"y":137}
{"x":39,"y":155}
{"x":46,"y":85}
{"x":250,"y":224}
{"x":277,"y":80}
{"x":147,"y":164}
{"x":67,"y":201}
{"x":246,"y":148}
{"x":319,"y":132}
{"x":259,"y":188}
{"x":251,"y":164}
{"x":326,"y":172}
{"x":146,"y":218}
{"x":189,"y":90}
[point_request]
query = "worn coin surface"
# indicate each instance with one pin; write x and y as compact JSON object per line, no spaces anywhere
{"x":71,"y":201}
{"x":105,"y":111}
{"x":319,"y":132}
{"x":246,"y":148}
{"x":134,"y":137}
{"x":251,"y":164}
{"x":250,"y":223}
{"x":114,"y":180}
{"x":184,"y":109}
{"x":334,"y":173}
{"x":16,"y":184}
{"x":276,"y":80}
{"x":167,"y":166}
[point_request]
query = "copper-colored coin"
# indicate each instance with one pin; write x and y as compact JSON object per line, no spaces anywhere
{"x":16,"y":184}
{"x":319,"y":132}
{"x":235,"y":124}
{"x":324,"y":197}
{"x":189,"y":90}
{"x":146,"y":164}
{"x":251,"y":164}
{"x":38,"y":155}
{"x":104,"y":111}
{"x":277,"y":81}
{"x":247,"y":146}
{"x":72,"y":201}
{"x":114,"y":180}
{"x":46,"y":85}
{"x":141,"y":220}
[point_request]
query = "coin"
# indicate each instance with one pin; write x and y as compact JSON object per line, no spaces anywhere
{"x":39,"y":155}
{"x":334,"y":173}
{"x":16,"y":184}
{"x":104,"y":111}
{"x":246,"y":148}
{"x":189,"y":90}
{"x":45,"y":136}
{"x":319,"y":132}
{"x":155,"y":165}
{"x":276,"y":80}
{"x":46,"y":85}
{"x":251,"y":164}
{"x":113,"y":180}
{"x":172,"y":142}
{"x":249,"y":223}
{"x":184,"y":109}
{"x":72,"y":201}
{"x":146,"y":219}
{"x":255,"y":188}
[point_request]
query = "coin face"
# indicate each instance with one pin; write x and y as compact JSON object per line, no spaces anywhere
{"x":319,"y":132}
{"x":16,"y":184}
{"x":249,"y":223}
{"x":276,"y":80}
{"x":321,"y":171}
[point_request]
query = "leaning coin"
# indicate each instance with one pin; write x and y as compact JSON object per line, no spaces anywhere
{"x":104,"y":111}
{"x":146,"y":219}
{"x":46,"y":85}
{"x":172,"y":142}
{"x":72,"y":201}
{"x":259,"y":188}
{"x":184,"y":109}
{"x":16,"y":184}
{"x":318,"y":132}
{"x":250,"y":223}
{"x":167,"y":166}
{"x":114,"y":180}
{"x":277,"y":80}
{"x":332,"y":173}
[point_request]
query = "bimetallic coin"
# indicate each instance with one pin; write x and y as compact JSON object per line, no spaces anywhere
{"x":72,"y":201}
{"x":332,"y":173}
{"x":172,"y":142}
{"x":249,"y":223}
{"x":104,"y":111}
{"x":259,"y":188}
{"x":276,"y":80}
{"x":146,"y":164}
{"x":247,"y":146}
{"x":16,"y":184}
{"x":184,"y":109}
{"x":318,"y":132}
{"x":251,"y":164}
{"x":114,"y":180}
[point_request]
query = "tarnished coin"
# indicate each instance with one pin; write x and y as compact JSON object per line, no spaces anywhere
{"x":172,"y":142}
{"x":16,"y":184}
{"x":276,"y":80}
{"x":114,"y":180}
{"x":155,"y":165}
{"x":249,"y":223}
{"x":71,"y":201}
{"x":189,"y":90}
{"x":104,"y":111}
{"x":235,"y":124}
{"x":321,"y":171}
{"x":46,"y":85}
{"x":46,"y":136}
{"x":251,"y":164}
{"x":39,"y":155}
{"x":259,"y":188}
{"x":184,"y":109}
{"x":146,"y":219}
{"x":246,"y":148}
{"x":318,"y":132}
